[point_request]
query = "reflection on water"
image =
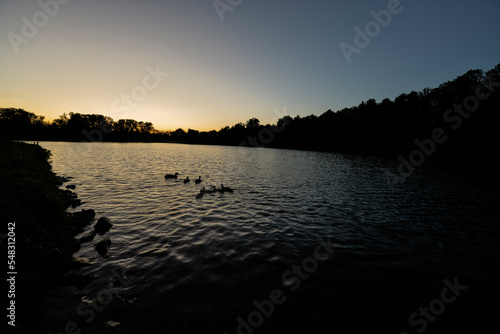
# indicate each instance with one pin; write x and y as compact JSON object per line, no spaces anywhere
{"x":196,"y":265}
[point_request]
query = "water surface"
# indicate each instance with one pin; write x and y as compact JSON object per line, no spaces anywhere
{"x":196,"y":265}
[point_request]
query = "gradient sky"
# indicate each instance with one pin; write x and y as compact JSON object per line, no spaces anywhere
{"x":264,"y":56}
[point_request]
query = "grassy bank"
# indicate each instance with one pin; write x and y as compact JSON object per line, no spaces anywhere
{"x":44,"y":232}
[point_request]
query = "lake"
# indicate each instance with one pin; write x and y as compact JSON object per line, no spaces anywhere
{"x":308,"y":242}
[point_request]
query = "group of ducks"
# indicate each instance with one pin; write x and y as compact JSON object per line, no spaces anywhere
{"x":203,"y":191}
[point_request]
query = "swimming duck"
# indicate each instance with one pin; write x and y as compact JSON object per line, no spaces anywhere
{"x":200,"y":194}
{"x":198,"y":180}
{"x":186,"y":180}
{"x":171,"y":176}
{"x":209,"y":191}
{"x":224,"y":189}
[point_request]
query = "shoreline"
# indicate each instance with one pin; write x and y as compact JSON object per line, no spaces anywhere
{"x":437,"y":156}
{"x":34,"y":199}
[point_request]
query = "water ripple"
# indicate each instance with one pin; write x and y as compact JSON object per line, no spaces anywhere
{"x":209,"y":258}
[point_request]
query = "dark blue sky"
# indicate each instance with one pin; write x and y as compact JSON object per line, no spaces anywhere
{"x":97,"y":56}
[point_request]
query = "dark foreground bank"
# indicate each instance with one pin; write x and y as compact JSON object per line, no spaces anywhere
{"x":38,"y":234}
{"x":33,"y":210}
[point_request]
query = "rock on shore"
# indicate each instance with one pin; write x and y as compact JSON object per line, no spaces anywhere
{"x":103,"y":225}
{"x":103,"y":246}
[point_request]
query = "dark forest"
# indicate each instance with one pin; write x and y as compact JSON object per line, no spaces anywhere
{"x":465,"y":110}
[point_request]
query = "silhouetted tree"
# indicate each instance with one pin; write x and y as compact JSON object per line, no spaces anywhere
{"x":252,"y":123}
{"x":18,"y":123}
{"x":386,"y":126}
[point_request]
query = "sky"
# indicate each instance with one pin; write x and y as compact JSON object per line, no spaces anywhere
{"x":205,"y":64}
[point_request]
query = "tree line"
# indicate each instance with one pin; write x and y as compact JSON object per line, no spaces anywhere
{"x":466,"y":108}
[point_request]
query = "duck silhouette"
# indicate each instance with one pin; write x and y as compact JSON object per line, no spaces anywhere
{"x":186,"y":180}
{"x":200,"y":194}
{"x":171,"y":176}
{"x":224,"y":189}
{"x":209,"y":191}
{"x":198,"y":180}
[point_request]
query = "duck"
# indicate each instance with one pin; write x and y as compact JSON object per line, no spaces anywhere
{"x":186,"y":180}
{"x":198,"y":180}
{"x":224,"y":189}
{"x":205,"y":191}
{"x":171,"y":176}
{"x":200,"y":194}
